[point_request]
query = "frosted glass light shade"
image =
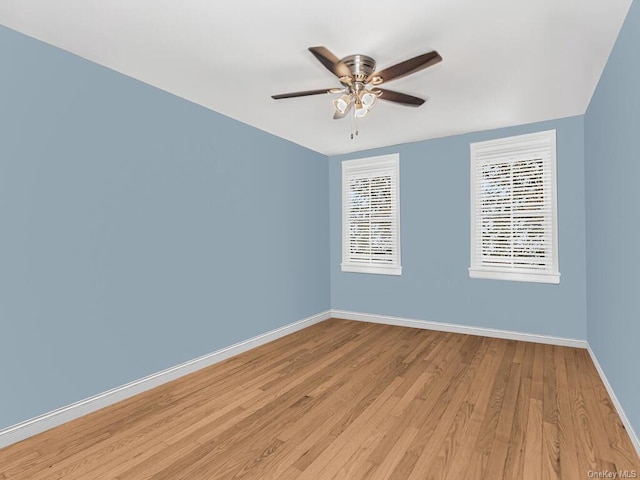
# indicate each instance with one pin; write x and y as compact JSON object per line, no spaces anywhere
{"x":368,"y":100}
{"x":341,"y":104}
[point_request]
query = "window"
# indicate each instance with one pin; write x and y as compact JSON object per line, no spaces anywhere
{"x":513,"y":209}
{"x":370,"y":215}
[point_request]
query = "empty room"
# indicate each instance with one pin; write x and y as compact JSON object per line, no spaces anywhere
{"x":295,"y":241}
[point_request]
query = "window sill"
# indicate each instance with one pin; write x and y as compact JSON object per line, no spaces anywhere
{"x":553,"y":278}
{"x":375,"y":269}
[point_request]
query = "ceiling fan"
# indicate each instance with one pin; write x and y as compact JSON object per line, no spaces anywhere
{"x":360,"y":81}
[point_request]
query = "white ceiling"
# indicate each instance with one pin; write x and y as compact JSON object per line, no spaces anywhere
{"x":505,"y":62}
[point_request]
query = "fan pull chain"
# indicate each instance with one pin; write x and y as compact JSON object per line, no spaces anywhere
{"x":354,"y":124}
{"x":353,"y":121}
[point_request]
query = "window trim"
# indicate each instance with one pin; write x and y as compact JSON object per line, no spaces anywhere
{"x":383,"y":163}
{"x":516,"y":145}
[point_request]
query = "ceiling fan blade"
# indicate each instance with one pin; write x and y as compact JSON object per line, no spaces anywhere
{"x":407,"y":67}
{"x":397,"y":97}
{"x":338,"y":115}
{"x":331,"y":62}
{"x":305,"y":93}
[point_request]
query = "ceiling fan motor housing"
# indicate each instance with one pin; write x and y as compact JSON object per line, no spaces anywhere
{"x":361,"y":66}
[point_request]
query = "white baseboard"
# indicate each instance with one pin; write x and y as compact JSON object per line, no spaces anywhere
{"x":62,"y":415}
{"x":635,"y":440}
{"x":453,"y":328}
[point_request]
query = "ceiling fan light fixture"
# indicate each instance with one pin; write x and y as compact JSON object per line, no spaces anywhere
{"x":360,"y":111}
{"x":341,"y":104}
{"x":368,"y":99}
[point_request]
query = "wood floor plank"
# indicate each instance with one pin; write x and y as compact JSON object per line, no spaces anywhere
{"x":550,"y":423}
{"x":569,"y":464}
{"x":351,"y":400}
{"x":502,"y":439}
{"x":514,"y":463}
{"x":533,"y":463}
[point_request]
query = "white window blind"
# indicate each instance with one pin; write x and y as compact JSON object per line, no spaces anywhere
{"x":513,"y":209}
{"x":370,"y":215}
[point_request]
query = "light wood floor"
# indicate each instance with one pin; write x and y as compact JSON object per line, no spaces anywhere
{"x":350,"y":400}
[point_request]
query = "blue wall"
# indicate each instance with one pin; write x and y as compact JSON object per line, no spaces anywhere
{"x":435,"y":284}
{"x":139,"y":230}
{"x":612,"y":128}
